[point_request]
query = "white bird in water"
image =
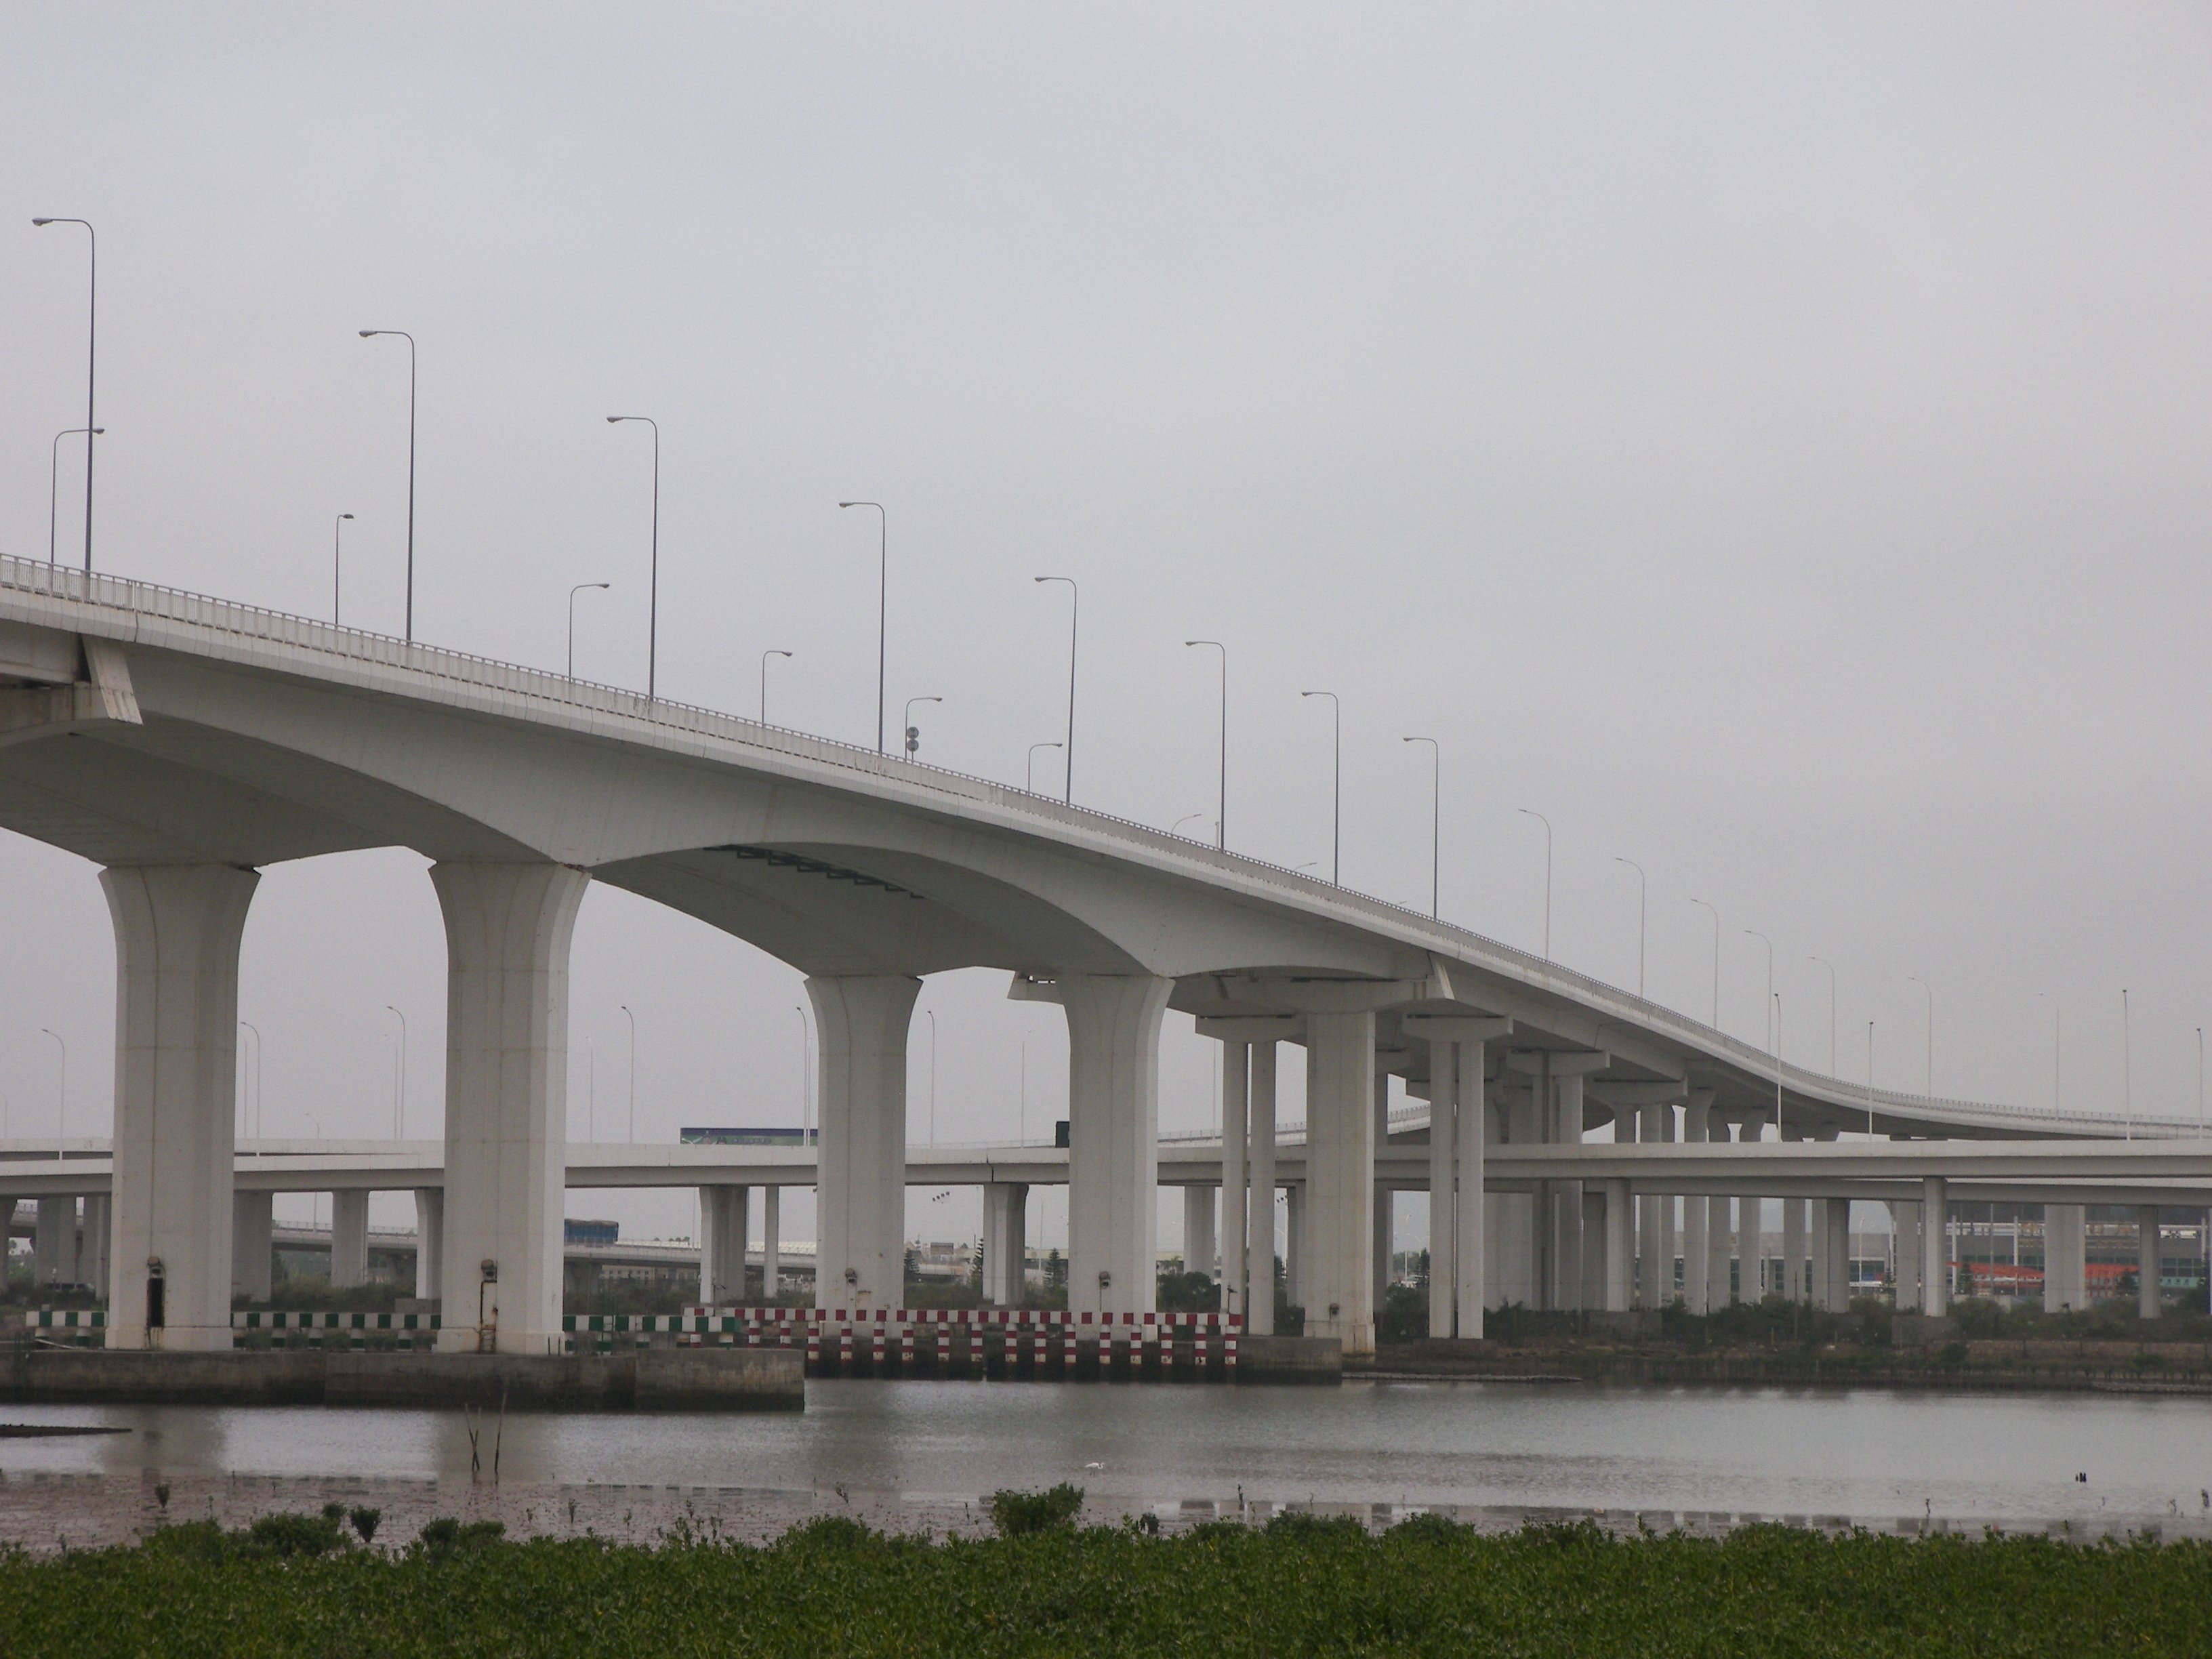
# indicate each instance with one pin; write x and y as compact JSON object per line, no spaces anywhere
{"x":1089,"y":1466}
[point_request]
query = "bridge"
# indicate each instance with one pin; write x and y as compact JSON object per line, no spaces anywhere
{"x":182,"y":743}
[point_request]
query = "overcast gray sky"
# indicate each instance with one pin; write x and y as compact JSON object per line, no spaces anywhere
{"x":1771,"y":441}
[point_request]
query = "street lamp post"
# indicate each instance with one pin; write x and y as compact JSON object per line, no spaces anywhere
{"x":1221,"y":812}
{"x":578,"y":588}
{"x":337,"y":550}
{"x":1930,"y":990}
{"x":653,"y":595}
{"x":255,"y":1103}
{"x":883,"y":603}
{"x":1716,"y":958}
{"x":2127,"y":1065}
{"x":399,"y":1103}
{"x":1074,"y":616}
{"x":1530,"y":812}
{"x":401,"y":333}
{"x":61,"y":1092}
{"x":54,"y":479}
{"x":1830,"y":967}
{"x":914,"y":732}
{"x":91,"y":360}
{"x":1773,"y":1034}
{"x":932,"y":1012}
{"x":1436,"y":824}
{"x":1029,"y":777}
{"x":1336,"y":796}
{"x":765,"y":655}
{"x":1643,"y":911}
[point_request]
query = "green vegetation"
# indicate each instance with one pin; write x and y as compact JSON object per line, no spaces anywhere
{"x":1019,"y":1514}
{"x":292,"y":1585}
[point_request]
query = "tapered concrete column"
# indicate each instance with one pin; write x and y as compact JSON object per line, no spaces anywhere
{"x":1670,"y":1231}
{"x":1005,"y":1244}
{"x":1443,"y":1184}
{"x":860,"y":1256}
{"x":1619,"y":1247}
{"x":1236,"y":1120}
{"x":93,"y":1255}
{"x":1591,"y":1293}
{"x":771,"y":1243}
{"x":1823,"y":1275}
{"x":2150,"y":1302}
{"x":725,"y":1223}
{"x":252,"y":1239}
{"x":53,"y":1246}
{"x":507,"y":930}
{"x":1470,"y":1232}
{"x":2065,"y":1234}
{"x":349,"y":1239}
{"x":1720,"y":1241}
{"x":1197,"y":1229}
{"x":1697,"y":1232}
{"x":177,"y":929}
{"x":1904,"y":1248}
{"x":1260,"y":1257}
{"x":1793,"y":1247}
{"x":429,"y":1241}
{"x":1566,"y":1280}
{"x":1520,"y":1214}
{"x":1113,"y":1138}
{"x":1339,"y":1273}
{"x":1935,"y":1273}
{"x":1294,"y":1244}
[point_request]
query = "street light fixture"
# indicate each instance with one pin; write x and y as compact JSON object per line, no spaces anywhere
{"x":91,"y":360}
{"x":914,"y":732}
{"x":653,"y":596}
{"x":338,"y":549}
{"x":765,"y":655}
{"x":883,"y":603}
{"x":1435,"y":824}
{"x":54,"y":478}
{"x":578,"y":588}
{"x":1712,"y":910}
{"x":1221,"y":812}
{"x":633,"y":1073}
{"x":1029,"y":778}
{"x":401,"y":333}
{"x":249,"y":1025}
{"x":400,"y":1104}
{"x":1336,"y":796}
{"x":61,"y":1092}
{"x":1074,"y":613}
{"x":1643,"y":911}
{"x":1530,"y":812}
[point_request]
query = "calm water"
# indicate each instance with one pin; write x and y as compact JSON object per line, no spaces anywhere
{"x":1864,"y":1454}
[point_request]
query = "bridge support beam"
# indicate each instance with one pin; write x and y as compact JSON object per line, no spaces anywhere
{"x":771,"y":1243}
{"x":1235,"y":1226}
{"x":1005,"y":1244}
{"x":429,"y":1241}
{"x":1339,"y":1273}
{"x":1260,"y":1214}
{"x":177,"y":931}
{"x":93,"y":1256}
{"x":253,"y":1245}
{"x":1793,"y":1247}
{"x":1443,"y":1187}
{"x":1471,"y":1224}
{"x":860,"y":1255}
{"x":1113,"y":1138}
{"x":1697,"y":1256}
{"x":349,"y":1239}
{"x":2065,"y":1275}
{"x":53,"y":1246}
{"x":1904,"y":1253}
{"x":2150,"y":1302}
{"x":508,"y":932}
{"x":1198,"y":1229}
{"x":1617,"y":1221}
{"x":1563,"y":1290}
{"x":724,"y":1222}
{"x":1294,"y":1244}
{"x":1935,"y":1245}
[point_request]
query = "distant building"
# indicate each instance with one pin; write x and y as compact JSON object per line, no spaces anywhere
{"x":742,"y":1136}
{"x":591,"y":1233}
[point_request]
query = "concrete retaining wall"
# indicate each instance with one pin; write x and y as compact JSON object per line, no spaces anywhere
{"x":1290,"y":1360}
{"x":706,"y":1379}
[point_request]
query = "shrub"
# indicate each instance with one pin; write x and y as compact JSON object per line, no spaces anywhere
{"x":364,"y":1523}
{"x":1019,"y":1514}
{"x":1303,"y":1524}
{"x":446,"y":1536}
{"x":294,"y":1534}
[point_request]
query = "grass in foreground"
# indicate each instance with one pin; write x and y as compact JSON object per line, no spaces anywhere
{"x":1300,"y":1586}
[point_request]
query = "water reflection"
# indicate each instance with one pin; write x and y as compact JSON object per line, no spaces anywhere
{"x":1776,"y":1451}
